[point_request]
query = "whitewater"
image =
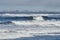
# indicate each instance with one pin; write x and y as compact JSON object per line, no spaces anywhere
{"x":37,"y":26}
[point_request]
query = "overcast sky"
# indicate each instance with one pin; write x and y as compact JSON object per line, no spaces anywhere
{"x":49,"y":5}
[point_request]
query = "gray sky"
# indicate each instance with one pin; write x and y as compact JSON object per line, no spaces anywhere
{"x":49,"y":5}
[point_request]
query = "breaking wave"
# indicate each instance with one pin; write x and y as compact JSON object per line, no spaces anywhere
{"x":12,"y":18}
{"x":5,"y":22}
{"x":8,"y":19}
{"x":27,"y":25}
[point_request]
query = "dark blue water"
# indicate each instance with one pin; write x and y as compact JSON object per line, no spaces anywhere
{"x":30,"y":18}
{"x":30,"y":12}
{"x":26,"y":18}
{"x":51,"y":18}
{"x":16,"y":18}
{"x":6,"y":19}
{"x":38,"y":38}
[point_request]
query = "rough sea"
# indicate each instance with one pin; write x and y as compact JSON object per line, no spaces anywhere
{"x":30,"y":26}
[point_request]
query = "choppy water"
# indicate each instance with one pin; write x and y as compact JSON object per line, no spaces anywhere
{"x":29,"y":26}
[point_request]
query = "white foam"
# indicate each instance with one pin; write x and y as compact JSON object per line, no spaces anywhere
{"x":45,"y":28}
{"x":38,"y":18}
{"x":12,"y":15}
{"x":43,"y":23}
{"x":9,"y":34}
{"x":13,"y":35}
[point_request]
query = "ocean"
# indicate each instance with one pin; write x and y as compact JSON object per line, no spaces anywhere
{"x":30,"y":26}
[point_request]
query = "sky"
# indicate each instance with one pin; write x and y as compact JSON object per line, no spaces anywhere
{"x":48,"y":5}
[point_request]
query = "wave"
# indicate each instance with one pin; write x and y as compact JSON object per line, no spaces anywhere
{"x":35,"y":16}
{"x":17,"y":18}
{"x":38,"y":18}
{"x":42,"y":23}
{"x":13,"y":15}
{"x":21,"y":15}
{"x":51,"y":17}
{"x":5,"y":22}
{"x":12,"y":34}
{"x":23,"y":18}
{"x":27,"y":20}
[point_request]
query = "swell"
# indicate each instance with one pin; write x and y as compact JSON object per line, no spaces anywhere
{"x":8,"y":19}
{"x":5,"y":22}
